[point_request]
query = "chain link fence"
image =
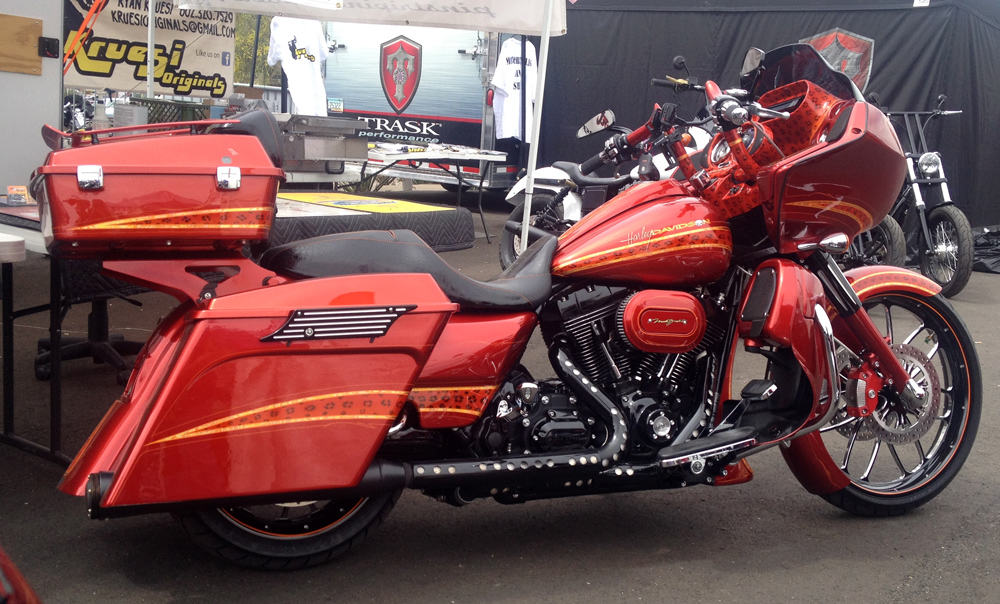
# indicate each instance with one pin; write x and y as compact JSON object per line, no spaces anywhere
{"x":172,"y":111}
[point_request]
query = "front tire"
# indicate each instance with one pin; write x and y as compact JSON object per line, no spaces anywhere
{"x":884,"y":243}
{"x":544,"y":215}
{"x":287,"y":536}
{"x":949,"y":260}
{"x":898,"y":458}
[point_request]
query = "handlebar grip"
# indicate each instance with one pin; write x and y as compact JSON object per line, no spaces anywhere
{"x":661,"y":82}
{"x":592,"y":164}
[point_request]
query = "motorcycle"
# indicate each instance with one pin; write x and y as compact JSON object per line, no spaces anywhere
{"x":937,"y":231}
{"x":285,"y":403}
{"x":561,"y":194}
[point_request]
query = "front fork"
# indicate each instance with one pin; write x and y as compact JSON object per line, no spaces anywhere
{"x":851,"y":311}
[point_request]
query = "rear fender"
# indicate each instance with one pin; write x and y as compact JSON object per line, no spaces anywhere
{"x":233,"y":398}
{"x":806,"y":456}
{"x":548,"y":173}
{"x":572,"y":203}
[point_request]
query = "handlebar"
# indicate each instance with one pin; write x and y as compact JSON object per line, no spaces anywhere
{"x":675,"y":83}
{"x":592,"y":164}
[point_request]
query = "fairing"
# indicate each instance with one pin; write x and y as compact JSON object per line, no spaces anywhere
{"x":844,"y":186}
{"x":781,"y":313}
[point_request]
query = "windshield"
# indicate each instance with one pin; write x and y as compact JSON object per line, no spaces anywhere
{"x":794,"y":62}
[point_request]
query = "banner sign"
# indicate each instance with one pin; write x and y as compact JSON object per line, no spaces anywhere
{"x":418,"y":129}
{"x":194,"y":48}
{"x":513,"y":16}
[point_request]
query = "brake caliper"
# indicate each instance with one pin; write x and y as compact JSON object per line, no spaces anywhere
{"x":863,"y":387}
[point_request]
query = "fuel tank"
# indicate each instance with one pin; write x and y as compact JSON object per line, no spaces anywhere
{"x":655,"y":233}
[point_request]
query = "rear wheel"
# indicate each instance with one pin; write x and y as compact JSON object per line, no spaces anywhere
{"x":544,"y":215}
{"x":287,"y":536}
{"x":949,"y":260}
{"x":907,"y":451}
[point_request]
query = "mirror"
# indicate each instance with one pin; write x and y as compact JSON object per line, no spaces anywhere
{"x":601,"y":121}
{"x":680,"y":64}
{"x":751,"y":61}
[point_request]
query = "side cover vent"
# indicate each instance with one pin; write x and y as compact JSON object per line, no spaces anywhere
{"x":327,"y":324}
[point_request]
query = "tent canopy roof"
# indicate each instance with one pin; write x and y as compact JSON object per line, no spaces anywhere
{"x":512,"y":16}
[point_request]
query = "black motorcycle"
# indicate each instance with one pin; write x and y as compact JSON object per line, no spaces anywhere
{"x":938,"y":234}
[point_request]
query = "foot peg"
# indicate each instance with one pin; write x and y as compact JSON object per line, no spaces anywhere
{"x":716,"y":445}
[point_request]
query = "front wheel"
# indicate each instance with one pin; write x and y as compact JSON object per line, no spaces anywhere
{"x":948,"y":257}
{"x":287,"y":536}
{"x":884,"y":243}
{"x":907,"y":451}
{"x":545,"y":215}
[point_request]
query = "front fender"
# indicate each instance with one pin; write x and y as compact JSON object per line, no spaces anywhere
{"x":807,"y":457}
{"x":868,"y":281}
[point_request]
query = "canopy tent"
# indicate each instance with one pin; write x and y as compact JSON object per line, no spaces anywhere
{"x":511,"y":16}
{"x":528,"y":17}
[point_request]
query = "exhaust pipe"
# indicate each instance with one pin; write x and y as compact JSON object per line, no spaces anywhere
{"x":518,"y":469}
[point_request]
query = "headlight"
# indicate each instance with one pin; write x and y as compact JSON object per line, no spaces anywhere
{"x":929,"y":163}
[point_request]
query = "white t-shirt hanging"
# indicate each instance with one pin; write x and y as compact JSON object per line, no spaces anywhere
{"x":507,"y":80}
{"x":300,"y":45}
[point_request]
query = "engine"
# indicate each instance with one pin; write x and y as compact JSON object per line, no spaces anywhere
{"x":645,"y":348}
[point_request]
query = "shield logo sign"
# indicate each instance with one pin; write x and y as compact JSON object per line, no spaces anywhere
{"x":400,"y":65}
{"x":847,"y":52}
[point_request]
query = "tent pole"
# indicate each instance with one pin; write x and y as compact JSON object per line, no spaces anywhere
{"x":150,"y":51}
{"x":536,"y":126}
{"x":253,"y":63}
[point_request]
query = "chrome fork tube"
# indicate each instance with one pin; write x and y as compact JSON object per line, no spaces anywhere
{"x":854,"y":316}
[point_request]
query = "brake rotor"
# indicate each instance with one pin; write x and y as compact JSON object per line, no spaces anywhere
{"x":901,"y":420}
{"x":904,"y":420}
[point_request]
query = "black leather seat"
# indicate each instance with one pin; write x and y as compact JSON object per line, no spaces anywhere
{"x":523,"y":286}
{"x":259,"y":123}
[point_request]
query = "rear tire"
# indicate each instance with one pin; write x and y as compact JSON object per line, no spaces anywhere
{"x":951,"y":239}
{"x":898,"y":459}
{"x":510,"y":243}
{"x":287,"y":536}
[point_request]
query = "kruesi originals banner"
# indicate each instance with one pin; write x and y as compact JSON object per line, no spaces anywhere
{"x":194,"y":48}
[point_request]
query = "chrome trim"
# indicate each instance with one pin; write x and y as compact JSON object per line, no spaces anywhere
{"x":834,"y":244}
{"x":719,"y":451}
{"x":90,"y":177}
{"x":826,"y":331}
{"x":918,"y":198}
{"x":325,"y":324}
{"x":227,"y":178}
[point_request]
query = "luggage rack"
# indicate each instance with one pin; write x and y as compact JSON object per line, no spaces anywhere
{"x":55,"y":139}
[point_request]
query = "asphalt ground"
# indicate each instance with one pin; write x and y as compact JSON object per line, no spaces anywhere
{"x":764,"y":541}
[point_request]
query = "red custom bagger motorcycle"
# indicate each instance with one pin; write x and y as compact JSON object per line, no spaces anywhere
{"x":280,"y":409}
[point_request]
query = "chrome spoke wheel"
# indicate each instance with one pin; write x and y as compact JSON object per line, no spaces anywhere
{"x":908,"y":448}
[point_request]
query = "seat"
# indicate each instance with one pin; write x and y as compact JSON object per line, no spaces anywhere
{"x":525,"y":285}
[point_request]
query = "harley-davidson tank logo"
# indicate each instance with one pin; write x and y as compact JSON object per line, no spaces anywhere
{"x":847,"y":52}
{"x":400,"y":65}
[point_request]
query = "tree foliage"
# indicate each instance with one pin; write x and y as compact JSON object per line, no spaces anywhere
{"x":246,"y":26}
